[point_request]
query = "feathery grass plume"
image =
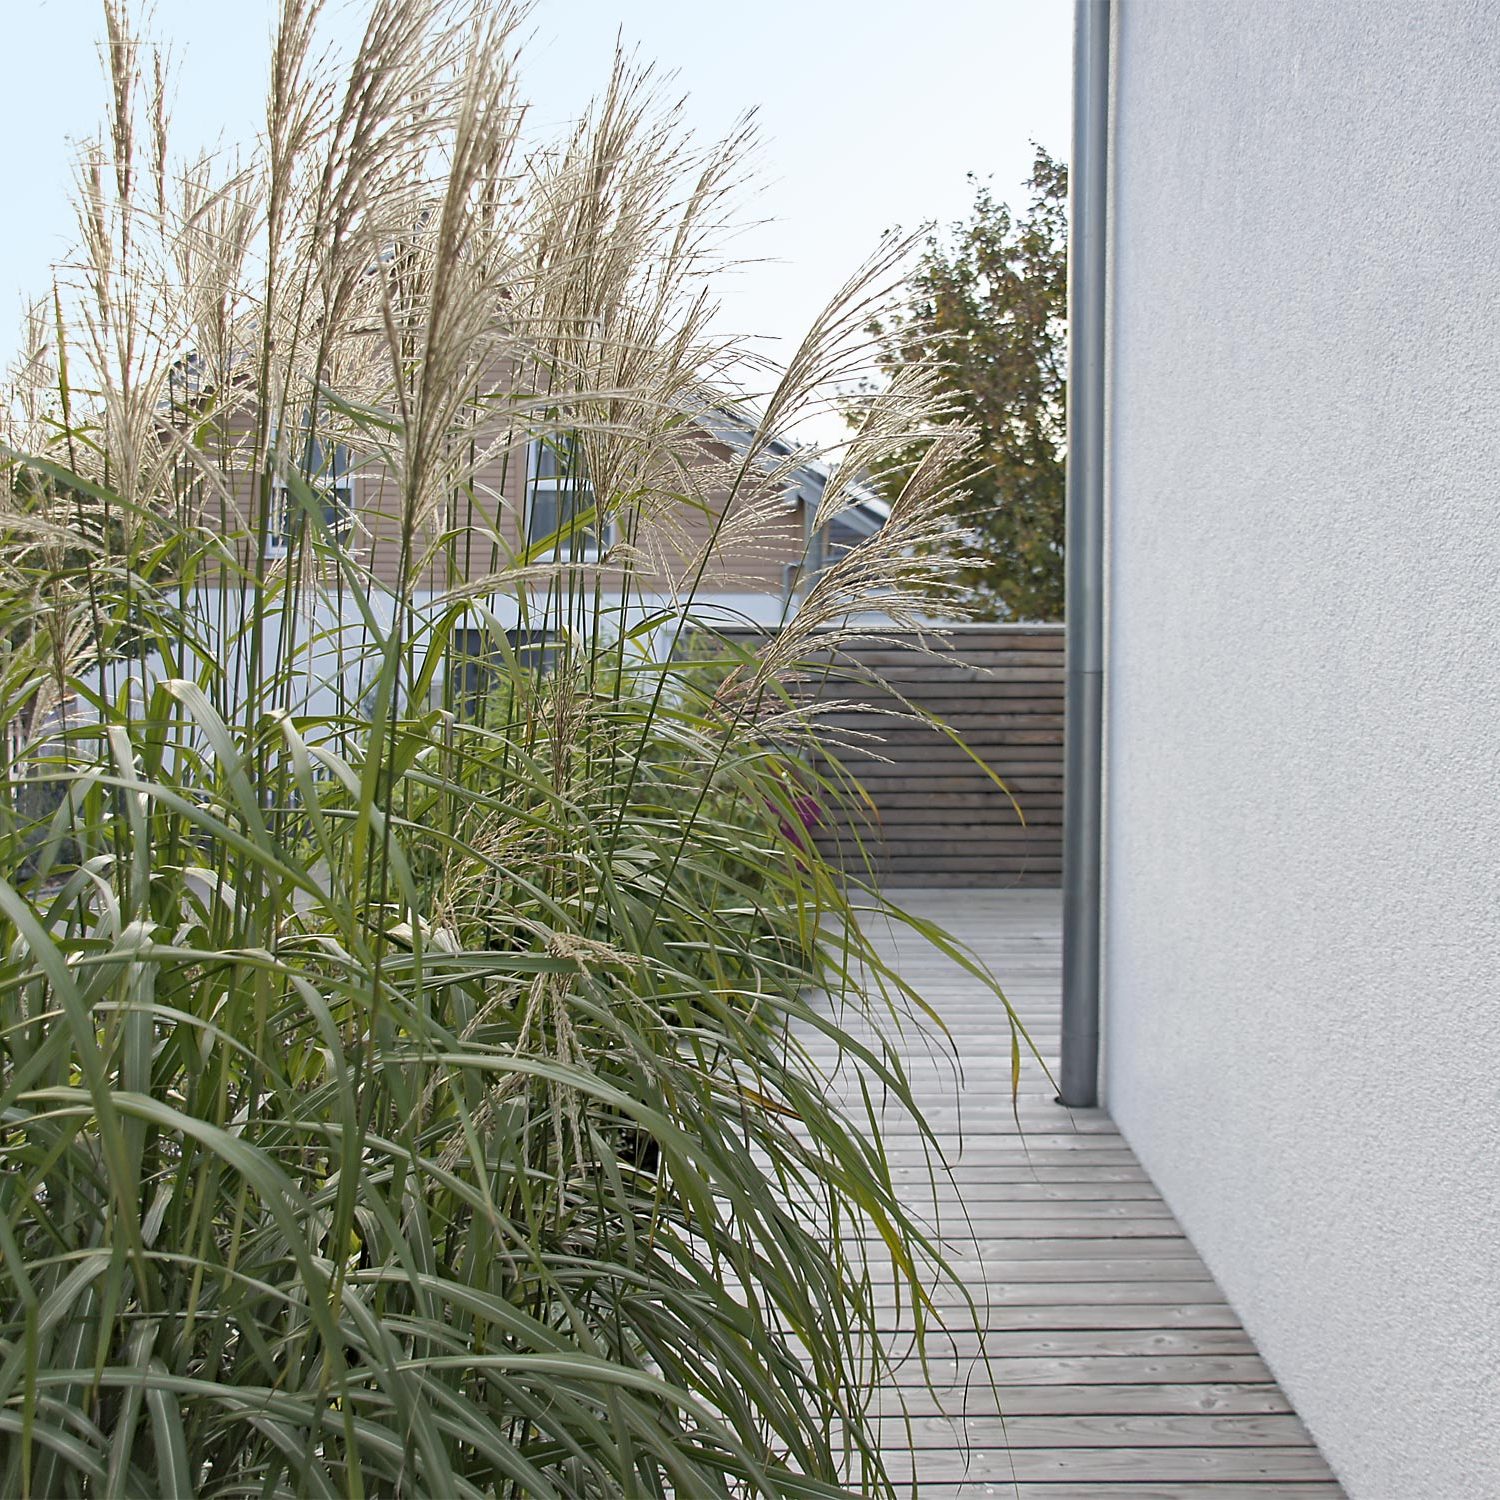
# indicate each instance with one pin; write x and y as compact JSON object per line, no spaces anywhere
{"x":408,"y":953}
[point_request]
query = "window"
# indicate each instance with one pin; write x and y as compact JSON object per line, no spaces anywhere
{"x":477,"y":667}
{"x":838,"y":537}
{"x":327,"y":471}
{"x":559,"y":504}
{"x":846,"y":531}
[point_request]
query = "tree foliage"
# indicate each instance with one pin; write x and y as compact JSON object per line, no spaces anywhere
{"x":989,"y":308}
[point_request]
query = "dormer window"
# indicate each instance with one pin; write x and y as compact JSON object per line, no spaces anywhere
{"x":560,"y":519}
{"x":327,"y":470}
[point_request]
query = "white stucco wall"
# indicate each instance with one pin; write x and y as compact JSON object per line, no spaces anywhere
{"x":1303,"y":830}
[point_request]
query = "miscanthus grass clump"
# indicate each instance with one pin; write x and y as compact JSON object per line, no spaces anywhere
{"x":404,"y":1084}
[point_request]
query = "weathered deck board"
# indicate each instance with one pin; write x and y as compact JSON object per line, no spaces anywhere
{"x":1100,"y":1361}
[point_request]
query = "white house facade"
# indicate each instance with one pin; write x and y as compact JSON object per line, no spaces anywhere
{"x":1301,"y":746}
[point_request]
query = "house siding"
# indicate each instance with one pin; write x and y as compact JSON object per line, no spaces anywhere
{"x":1302,"y":864}
{"x":491,"y":509}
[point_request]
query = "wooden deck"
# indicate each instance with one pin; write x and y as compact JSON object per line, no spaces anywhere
{"x":1115,"y":1367}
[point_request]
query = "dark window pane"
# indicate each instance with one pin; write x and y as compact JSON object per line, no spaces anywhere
{"x":554,"y":509}
{"x":556,"y":458}
{"x":477,"y":667}
{"x":325,"y":461}
{"x":546,"y":513}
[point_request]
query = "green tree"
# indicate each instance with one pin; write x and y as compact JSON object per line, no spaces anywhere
{"x":988,"y":306}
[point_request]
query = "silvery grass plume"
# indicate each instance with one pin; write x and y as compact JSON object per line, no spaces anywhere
{"x":405,"y":1076}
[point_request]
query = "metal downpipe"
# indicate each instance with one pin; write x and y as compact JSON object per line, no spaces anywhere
{"x":1083,"y":759}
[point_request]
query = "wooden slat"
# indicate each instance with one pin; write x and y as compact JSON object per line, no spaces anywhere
{"x":958,"y":1375}
{"x":999,"y":1346}
{"x":1194,"y":1490}
{"x":1189,"y":1431}
{"x":1049,"y":1283}
{"x":1165,"y":1400}
{"x":1155,"y":1464}
{"x":1047,"y":1489}
{"x":1001,"y":1314}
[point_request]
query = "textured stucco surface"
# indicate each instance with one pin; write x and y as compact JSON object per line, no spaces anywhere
{"x":1303,"y":820}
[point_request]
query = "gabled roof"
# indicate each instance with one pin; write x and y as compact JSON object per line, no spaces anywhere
{"x":737,"y":425}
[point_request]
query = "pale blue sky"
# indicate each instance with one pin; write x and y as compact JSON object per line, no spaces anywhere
{"x":872,"y":112}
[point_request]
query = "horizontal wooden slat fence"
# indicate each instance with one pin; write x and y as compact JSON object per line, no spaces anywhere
{"x":935,"y":817}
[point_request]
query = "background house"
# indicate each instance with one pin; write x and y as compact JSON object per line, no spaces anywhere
{"x":1302,"y":833}
{"x":730,"y":551}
